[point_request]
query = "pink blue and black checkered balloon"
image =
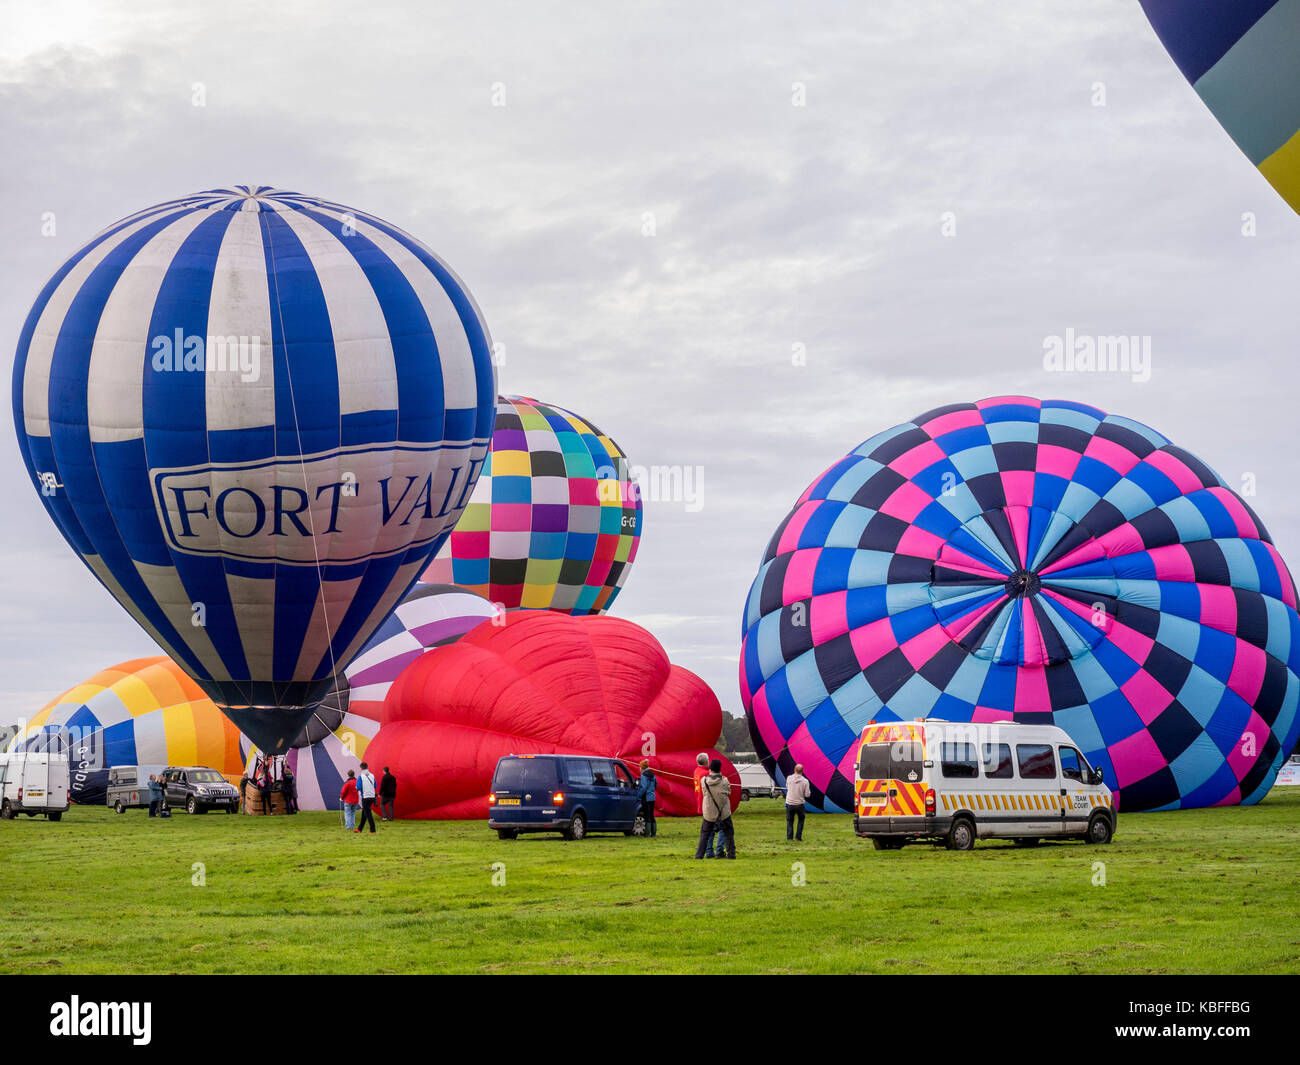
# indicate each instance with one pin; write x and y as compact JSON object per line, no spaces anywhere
{"x":1040,"y":561}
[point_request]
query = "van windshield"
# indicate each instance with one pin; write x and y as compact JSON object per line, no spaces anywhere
{"x":890,"y":761}
{"x":521,"y":774}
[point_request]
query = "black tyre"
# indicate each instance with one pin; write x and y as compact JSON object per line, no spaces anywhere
{"x":1099,"y":830}
{"x":577,"y":827}
{"x":119,"y":807}
{"x":1026,"y":841}
{"x":744,"y":795}
{"x":640,"y":825}
{"x":191,"y":805}
{"x":961,"y":836}
{"x":55,"y":815}
{"x":887,"y":844}
{"x":507,"y":833}
{"x":7,"y":811}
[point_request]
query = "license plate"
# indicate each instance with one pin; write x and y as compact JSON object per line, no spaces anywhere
{"x":507,"y":802}
{"x":875,"y":798}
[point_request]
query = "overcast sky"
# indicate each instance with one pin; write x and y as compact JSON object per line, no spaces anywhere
{"x":672,"y":200}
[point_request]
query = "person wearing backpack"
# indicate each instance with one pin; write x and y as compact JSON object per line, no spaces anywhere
{"x":366,"y":786}
{"x":715,"y":792}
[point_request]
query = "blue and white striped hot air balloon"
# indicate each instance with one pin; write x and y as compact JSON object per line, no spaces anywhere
{"x":256,"y":416}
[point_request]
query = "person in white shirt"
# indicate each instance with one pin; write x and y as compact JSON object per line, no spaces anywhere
{"x":366,"y":787}
{"x":797,"y":790}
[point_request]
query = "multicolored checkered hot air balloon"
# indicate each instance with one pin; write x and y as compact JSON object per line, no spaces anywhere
{"x":554,"y":520}
{"x":1241,"y":58}
{"x":145,"y":712}
{"x":255,"y":416}
{"x":1040,"y":561}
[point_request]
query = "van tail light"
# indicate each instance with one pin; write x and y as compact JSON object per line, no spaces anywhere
{"x":492,"y":799}
{"x":558,"y":798}
{"x":929,"y":801}
{"x":20,"y":794}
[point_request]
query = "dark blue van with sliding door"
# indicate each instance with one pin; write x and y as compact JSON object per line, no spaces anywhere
{"x":566,"y":793}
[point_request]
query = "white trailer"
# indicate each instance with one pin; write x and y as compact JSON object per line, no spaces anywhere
{"x":32,"y":783}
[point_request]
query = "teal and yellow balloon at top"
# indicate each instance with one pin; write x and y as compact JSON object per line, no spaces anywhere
{"x":1243,"y":59}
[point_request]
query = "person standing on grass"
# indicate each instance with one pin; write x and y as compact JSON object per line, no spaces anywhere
{"x":155,"y":795}
{"x":351,"y":800}
{"x":387,"y":795}
{"x":265,"y":787}
{"x":716,"y":794}
{"x":289,"y":791}
{"x":702,"y":771}
{"x":797,"y":790}
{"x":645,"y":791}
{"x":366,"y":786}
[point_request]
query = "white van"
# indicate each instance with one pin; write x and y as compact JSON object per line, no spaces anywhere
{"x":32,"y":784}
{"x":755,"y":781}
{"x":957,"y":781}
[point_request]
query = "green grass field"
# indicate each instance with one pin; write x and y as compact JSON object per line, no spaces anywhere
{"x":1189,"y":892}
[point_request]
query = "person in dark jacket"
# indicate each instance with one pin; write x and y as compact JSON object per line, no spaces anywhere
{"x":646,"y":789}
{"x":155,"y":795}
{"x":387,"y":795}
{"x":289,"y":791}
{"x":264,"y":784}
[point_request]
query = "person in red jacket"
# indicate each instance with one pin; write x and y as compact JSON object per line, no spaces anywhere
{"x":351,"y":801}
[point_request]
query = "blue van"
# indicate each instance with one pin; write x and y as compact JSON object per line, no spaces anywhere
{"x":566,"y":793}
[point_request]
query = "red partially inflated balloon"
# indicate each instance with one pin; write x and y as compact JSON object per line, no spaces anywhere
{"x":543,"y":683}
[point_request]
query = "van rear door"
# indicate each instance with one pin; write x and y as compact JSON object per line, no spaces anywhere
{"x":891,"y":772}
{"x":36,"y":782}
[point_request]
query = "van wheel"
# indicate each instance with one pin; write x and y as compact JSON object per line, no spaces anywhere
{"x":55,"y":815}
{"x":1026,"y":841}
{"x":507,"y":833}
{"x":744,"y":795}
{"x":887,"y":844}
{"x":1099,"y":829}
{"x":577,"y":828}
{"x":640,"y":826}
{"x":961,"y":837}
{"x":191,"y":806}
{"x":117,"y":806}
{"x":7,"y":811}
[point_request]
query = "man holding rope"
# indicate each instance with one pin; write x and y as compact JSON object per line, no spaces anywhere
{"x":715,"y":792}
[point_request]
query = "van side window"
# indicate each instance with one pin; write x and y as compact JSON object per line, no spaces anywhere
{"x":603,"y":773}
{"x":622,"y":776}
{"x":997,"y":760}
{"x":1037,"y":762}
{"x":1071,"y":764}
{"x":578,"y":770}
{"x":958,"y":760}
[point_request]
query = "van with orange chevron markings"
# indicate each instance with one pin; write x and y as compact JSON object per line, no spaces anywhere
{"x":960,"y":781}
